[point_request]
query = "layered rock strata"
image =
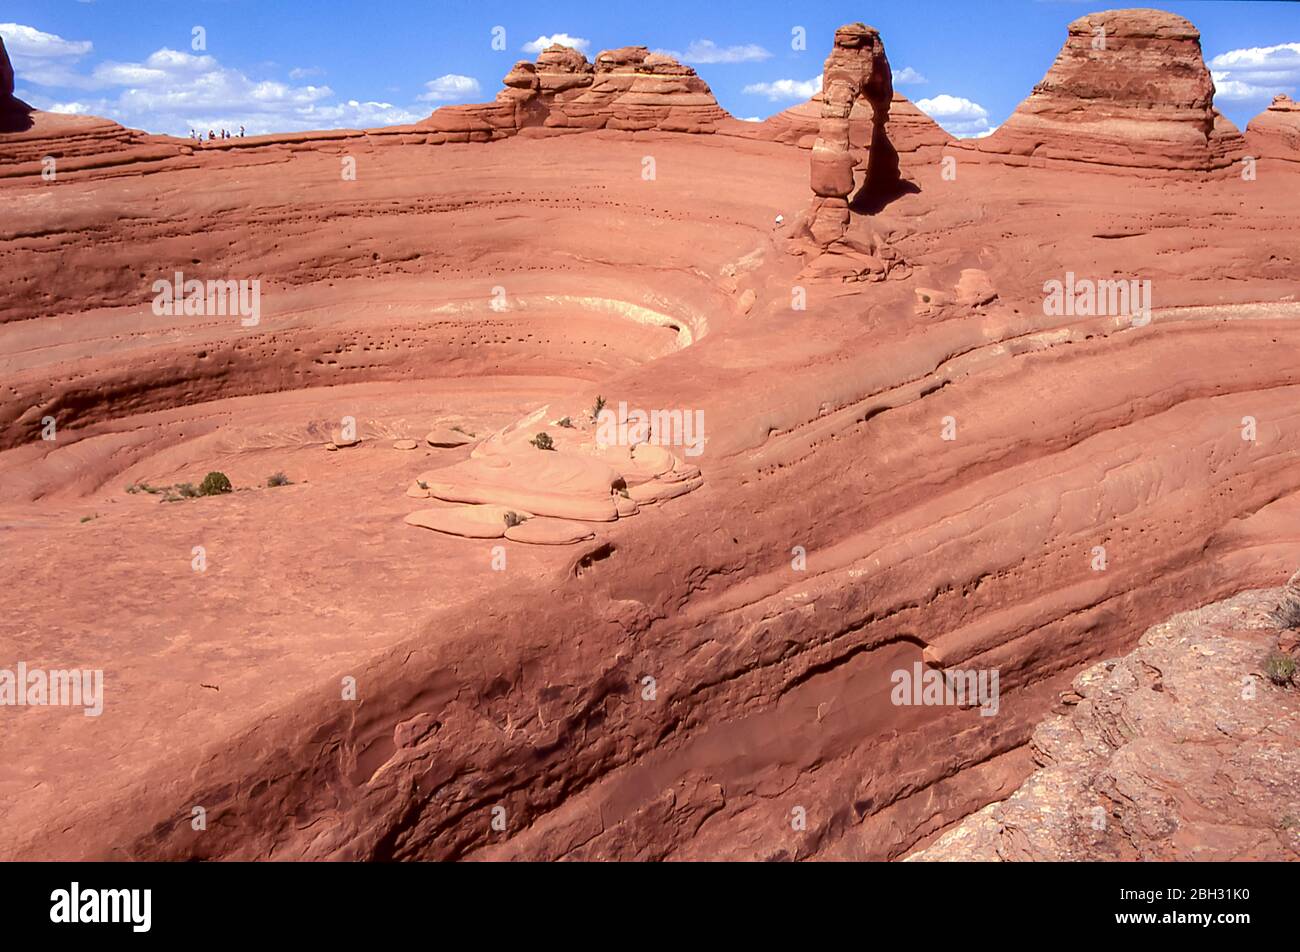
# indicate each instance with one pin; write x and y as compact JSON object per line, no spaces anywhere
{"x":1182,"y":750}
{"x":1129,"y":88}
{"x":629,"y":88}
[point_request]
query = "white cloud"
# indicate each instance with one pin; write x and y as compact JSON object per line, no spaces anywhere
{"x":70,"y":108}
{"x":1234,"y":90}
{"x":306,"y":72}
{"x":43,"y":58}
{"x":564,"y":39}
{"x":1256,"y":73}
{"x":909,"y":77}
{"x":450,"y":88}
{"x":174,"y":91}
{"x":706,"y":51}
{"x":28,"y":41}
{"x":958,"y":116}
{"x":786,"y":89}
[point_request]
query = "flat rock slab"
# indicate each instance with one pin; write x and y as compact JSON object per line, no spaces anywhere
{"x":550,"y":484}
{"x":447,"y":438}
{"x":469,"y":522}
{"x":543,"y":531}
{"x":657,"y":491}
{"x":405,"y":445}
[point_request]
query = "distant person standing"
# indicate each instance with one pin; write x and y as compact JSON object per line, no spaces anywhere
{"x":241,"y":132}
{"x":211,"y":135}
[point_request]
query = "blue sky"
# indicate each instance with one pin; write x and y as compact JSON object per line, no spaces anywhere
{"x":279,"y":65}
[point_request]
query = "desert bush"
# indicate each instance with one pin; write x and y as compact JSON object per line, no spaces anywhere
{"x":600,"y":405}
{"x":1279,"y":668}
{"x":543,"y":441}
{"x":1288,"y":609}
{"x":214,"y":484}
{"x":564,"y":422}
{"x":277,"y":479}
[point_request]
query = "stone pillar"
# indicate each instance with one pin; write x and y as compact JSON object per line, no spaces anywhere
{"x":856,"y":69}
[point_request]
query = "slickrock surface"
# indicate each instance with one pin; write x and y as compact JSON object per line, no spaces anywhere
{"x":915,"y":467}
{"x":626,"y":89}
{"x":1130,"y":88}
{"x":1179,"y":750}
{"x":1275,"y":132}
{"x":75,"y":143}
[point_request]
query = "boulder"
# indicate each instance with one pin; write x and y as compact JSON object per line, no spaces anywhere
{"x":445,"y":437}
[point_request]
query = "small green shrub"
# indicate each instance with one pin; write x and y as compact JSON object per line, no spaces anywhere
{"x":277,"y":479}
{"x":1279,"y":668}
{"x":214,"y":484}
{"x":565,"y":422}
{"x":543,"y":441}
{"x":600,"y":405}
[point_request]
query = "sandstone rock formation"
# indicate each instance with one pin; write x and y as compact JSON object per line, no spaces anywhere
{"x":856,"y":69}
{"x":560,"y":494}
{"x":1180,"y":750}
{"x":1129,"y":89}
{"x":831,"y":535}
{"x":1275,"y":132}
{"x":629,"y":88}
